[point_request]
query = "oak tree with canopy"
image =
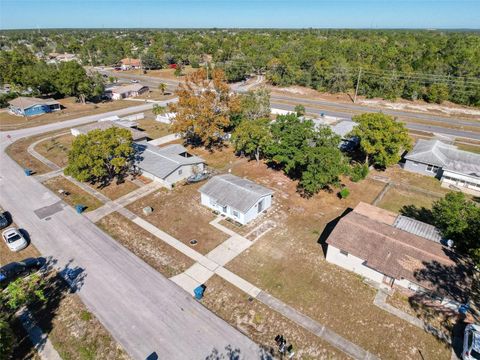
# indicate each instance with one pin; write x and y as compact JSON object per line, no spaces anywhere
{"x":252,"y":137}
{"x":204,"y":108}
{"x":101,"y":155}
{"x":382,"y":138}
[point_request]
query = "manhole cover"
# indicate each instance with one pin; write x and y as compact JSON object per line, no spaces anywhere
{"x":193,"y":242}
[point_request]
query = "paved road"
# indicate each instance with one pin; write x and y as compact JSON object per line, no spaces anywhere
{"x":144,"y":311}
{"x":344,"y":111}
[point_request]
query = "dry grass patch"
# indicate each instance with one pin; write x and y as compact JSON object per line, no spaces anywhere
{"x":72,"y":110}
{"x":262,"y":324}
{"x":155,"y":94}
{"x":397,"y":197}
{"x":410,"y":179}
{"x":75,"y":194}
{"x":168,"y":74}
{"x":159,"y":255}
{"x":179,"y":213}
{"x":56,"y":149}
{"x":116,"y":190}
{"x":154,"y":128}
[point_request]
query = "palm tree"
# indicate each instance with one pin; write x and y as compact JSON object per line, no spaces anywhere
{"x":162,"y":87}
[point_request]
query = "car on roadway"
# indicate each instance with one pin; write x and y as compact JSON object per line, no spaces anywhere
{"x":134,"y":81}
{"x":14,"y":270}
{"x":3,"y":221}
{"x":471,"y":343}
{"x":14,"y":239}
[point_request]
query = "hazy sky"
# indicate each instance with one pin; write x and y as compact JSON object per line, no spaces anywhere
{"x":240,"y":13}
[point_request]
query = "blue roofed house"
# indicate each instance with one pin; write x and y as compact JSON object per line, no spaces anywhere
{"x":456,"y":169}
{"x":30,"y":106}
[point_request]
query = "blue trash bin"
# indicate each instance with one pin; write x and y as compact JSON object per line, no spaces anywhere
{"x":28,"y":172}
{"x":79,"y":208}
{"x":198,"y":291}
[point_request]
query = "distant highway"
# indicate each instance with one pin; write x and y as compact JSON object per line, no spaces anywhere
{"x":344,"y":110}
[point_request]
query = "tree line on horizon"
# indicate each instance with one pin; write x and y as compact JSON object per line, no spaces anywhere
{"x":411,"y":64}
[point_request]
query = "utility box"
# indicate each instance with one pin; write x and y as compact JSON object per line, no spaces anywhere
{"x":147,"y":210}
{"x":198,"y":292}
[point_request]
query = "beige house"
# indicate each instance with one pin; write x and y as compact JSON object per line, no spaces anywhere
{"x":391,"y":249}
{"x":127,"y":91}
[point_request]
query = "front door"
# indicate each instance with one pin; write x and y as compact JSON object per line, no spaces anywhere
{"x":260,"y":206}
{"x":224,"y":209}
{"x":388,"y":280}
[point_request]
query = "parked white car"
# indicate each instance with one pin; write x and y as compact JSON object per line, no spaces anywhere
{"x":471,"y":343}
{"x":14,"y":239}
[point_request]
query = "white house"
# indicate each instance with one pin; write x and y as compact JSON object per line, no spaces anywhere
{"x":390,"y":249}
{"x":455,"y":168}
{"x":126,"y":91}
{"x":166,"y":165}
{"x":165,"y":118}
{"x":239,"y":199}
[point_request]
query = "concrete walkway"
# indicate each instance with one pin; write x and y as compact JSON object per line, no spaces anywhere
{"x":31,"y":150}
{"x":44,"y":177}
{"x":40,"y":341}
{"x":206,"y":266}
{"x":115,"y":205}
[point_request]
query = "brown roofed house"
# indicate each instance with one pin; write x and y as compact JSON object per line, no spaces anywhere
{"x":391,"y":249}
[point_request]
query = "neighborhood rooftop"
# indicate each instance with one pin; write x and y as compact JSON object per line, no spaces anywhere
{"x":127,"y":88}
{"x":23,"y":102}
{"x":162,"y":161}
{"x":104,"y":125}
{"x":238,"y":193}
{"x":446,"y":156}
{"x":387,"y":247}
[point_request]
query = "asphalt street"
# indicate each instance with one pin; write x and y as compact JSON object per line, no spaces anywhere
{"x":144,"y":311}
{"x":344,"y":111}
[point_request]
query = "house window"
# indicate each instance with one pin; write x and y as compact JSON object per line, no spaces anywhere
{"x":432,"y":168}
{"x":343,"y":252}
{"x":235,"y":213}
{"x":180,"y":172}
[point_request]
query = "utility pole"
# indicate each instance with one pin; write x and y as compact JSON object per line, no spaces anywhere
{"x":358,"y":83}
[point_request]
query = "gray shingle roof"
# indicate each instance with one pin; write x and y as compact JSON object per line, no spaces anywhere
{"x":238,"y":193}
{"x":162,"y":161}
{"x":446,"y":156}
{"x":104,"y":125}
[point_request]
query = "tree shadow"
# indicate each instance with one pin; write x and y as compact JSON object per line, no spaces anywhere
{"x":322,"y":240}
{"x":418,"y":213}
{"x":231,"y":353}
{"x":55,"y":288}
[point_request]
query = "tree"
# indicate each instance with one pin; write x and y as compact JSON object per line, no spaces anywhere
{"x":305,"y":153}
{"x":150,"y":61}
{"x":252,"y":137}
{"x":437,"y":93}
{"x":256,"y":104}
{"x":382,"y":139}
{"x":162,"y":87}
{"x":459,"y":220}
{"x":73,"y":81}
{"x":299,"y":110}
{"x":158,"y":109}
{"x":204,"y":108}
{"x":324,"y":165}
{"x":6,"y":338}
{"x":100,"y":156}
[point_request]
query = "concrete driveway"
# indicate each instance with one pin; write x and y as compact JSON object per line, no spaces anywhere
{"x":145,"y":312}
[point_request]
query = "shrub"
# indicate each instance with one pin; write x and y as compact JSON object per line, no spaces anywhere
{"x":358,"y":172}
{"x":344,"y":193}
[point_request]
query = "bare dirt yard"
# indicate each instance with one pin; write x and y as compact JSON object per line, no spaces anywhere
{"x":75,"y":195}
{"x":71,"y":110}
{"x":114,"y":189}
{"x":179,"y":213}
{"x":168,"y":74}
{"x":159,"y":255}
{"x":262,"y":324}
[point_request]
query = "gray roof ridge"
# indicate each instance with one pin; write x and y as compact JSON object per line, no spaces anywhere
{"x":159,"y":154}
{"x":222,"y":177}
